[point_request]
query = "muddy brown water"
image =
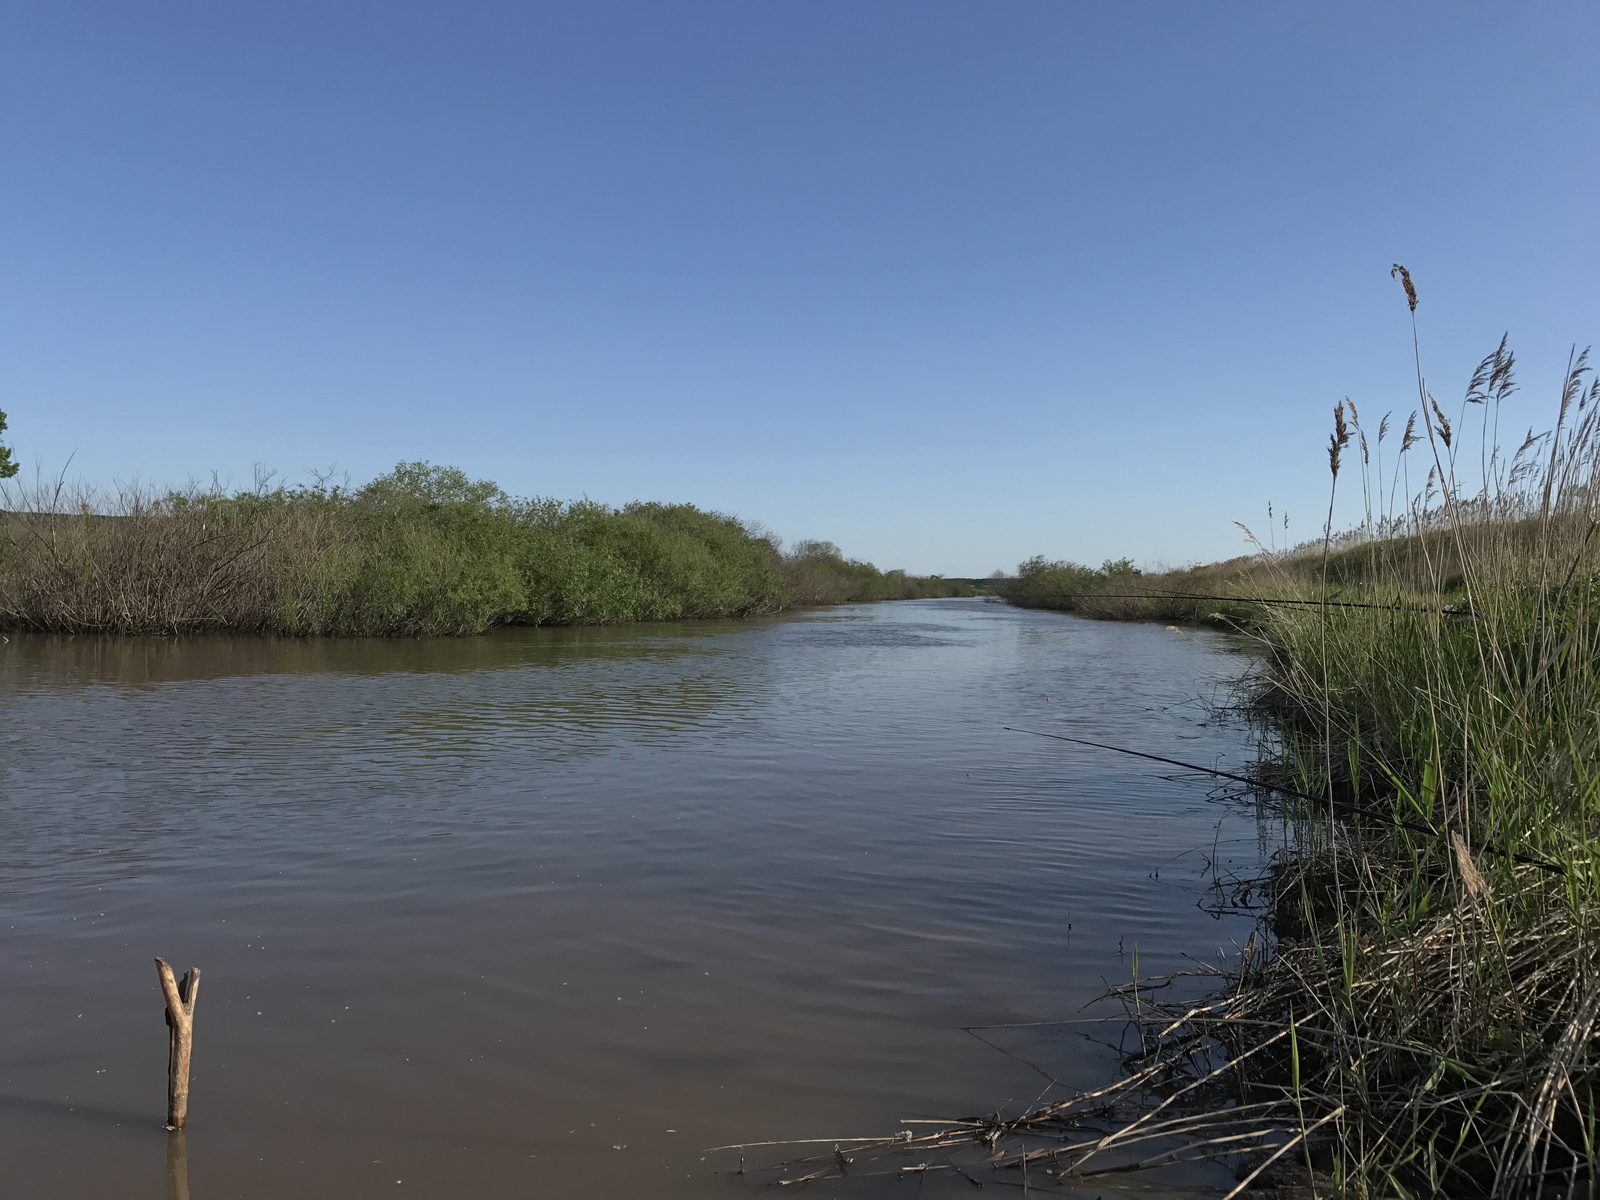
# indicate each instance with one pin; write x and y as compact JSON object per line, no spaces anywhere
{"x":549,"y":913}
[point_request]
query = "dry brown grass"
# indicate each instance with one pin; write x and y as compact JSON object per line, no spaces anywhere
{"x":147,"y":562}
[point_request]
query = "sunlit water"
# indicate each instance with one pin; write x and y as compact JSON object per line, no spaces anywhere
{"x":549,"y":913}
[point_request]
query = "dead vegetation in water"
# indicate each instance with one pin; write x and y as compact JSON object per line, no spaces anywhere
{"x":1183,"y":1098}
{"x":1451,"y":1059}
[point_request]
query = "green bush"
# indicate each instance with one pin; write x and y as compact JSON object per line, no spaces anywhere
{"x":817,"y":573}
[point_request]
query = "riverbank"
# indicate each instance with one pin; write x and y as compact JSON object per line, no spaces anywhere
{"x":1233,"y":594}
{"x":1419,"y":1013}
{"x":421,"y":551}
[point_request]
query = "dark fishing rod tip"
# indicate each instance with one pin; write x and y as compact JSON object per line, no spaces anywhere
{"x":1359,"y":809}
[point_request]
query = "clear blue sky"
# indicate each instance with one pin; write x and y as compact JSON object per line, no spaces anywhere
{"x":948,"y":284}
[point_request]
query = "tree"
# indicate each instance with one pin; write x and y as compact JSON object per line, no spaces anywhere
{"x":8,"y":465}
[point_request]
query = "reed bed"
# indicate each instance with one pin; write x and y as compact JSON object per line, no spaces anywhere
{"x":421,"y":551}
{"x":1438,"y":959}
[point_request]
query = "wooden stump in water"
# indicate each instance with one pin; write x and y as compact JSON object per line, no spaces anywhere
{"x":180,"y":996}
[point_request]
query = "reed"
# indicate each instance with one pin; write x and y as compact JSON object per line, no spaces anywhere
{"x":1444,"y":991}
{"x":1436,"y":960}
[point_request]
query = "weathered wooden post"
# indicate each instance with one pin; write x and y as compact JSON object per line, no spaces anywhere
{"x":180,"y":995}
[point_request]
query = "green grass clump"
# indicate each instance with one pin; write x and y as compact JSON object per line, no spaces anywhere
{"x":422,"y":550}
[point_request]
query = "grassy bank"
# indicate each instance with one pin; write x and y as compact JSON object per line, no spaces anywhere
{"x":1420,"y":1011}
{"x":1239,"y":592}
{"x":1359,"y":567}
{"x":422,"y":550}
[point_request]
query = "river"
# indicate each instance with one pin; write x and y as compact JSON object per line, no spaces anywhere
{"x":550,"y":912}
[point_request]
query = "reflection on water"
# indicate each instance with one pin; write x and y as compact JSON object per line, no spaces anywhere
{"x":548,"y":912}
{"x":142,"y":661}
{"x":177,"y":1166}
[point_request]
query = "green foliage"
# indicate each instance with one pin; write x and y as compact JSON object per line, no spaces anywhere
{"x":818,"y":573}
{"x":421,"y":550}
{"x":1064,"y":586}
{"x":8,"y":465}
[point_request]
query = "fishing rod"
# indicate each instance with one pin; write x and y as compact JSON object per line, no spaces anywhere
{"x":1360,"y":809}
{"x":1448,"y":612}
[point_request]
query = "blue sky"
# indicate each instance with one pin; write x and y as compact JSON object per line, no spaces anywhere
{"x":948,"y":284}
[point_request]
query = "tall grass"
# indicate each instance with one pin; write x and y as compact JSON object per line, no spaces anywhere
{"x":422,"y":550}
{"x":1444,"y":985}
{"x":1420,"y":1015}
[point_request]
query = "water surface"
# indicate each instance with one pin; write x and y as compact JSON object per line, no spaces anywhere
{"x":549,"y":912}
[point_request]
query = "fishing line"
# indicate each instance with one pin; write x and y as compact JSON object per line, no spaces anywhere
{"x":1448,"y":612}
{"x":1360,"y":809}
